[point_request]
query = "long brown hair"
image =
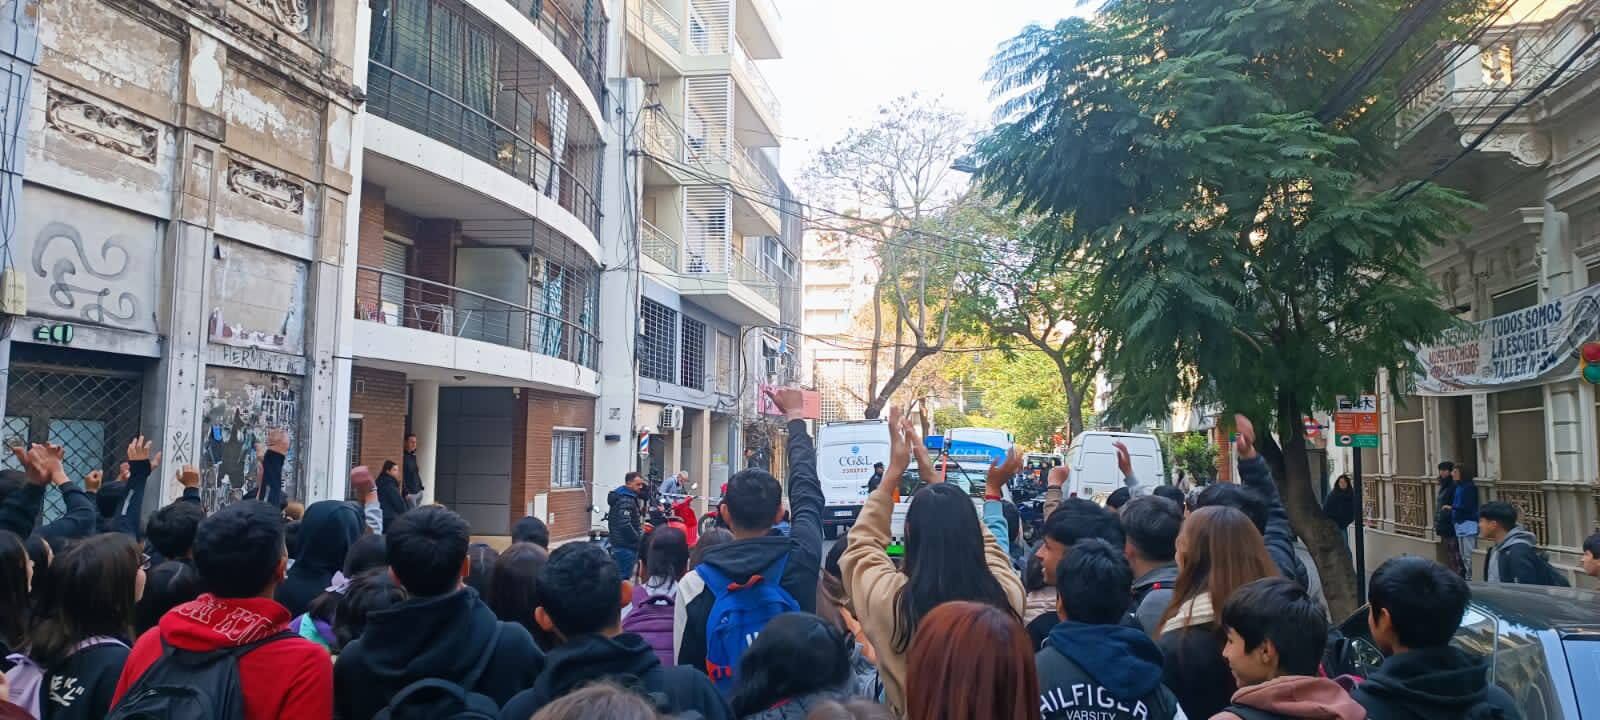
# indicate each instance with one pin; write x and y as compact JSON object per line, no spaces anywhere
{"x":1219,"y":551}
{"x":91,"y":592}
{"x":971,"y":661}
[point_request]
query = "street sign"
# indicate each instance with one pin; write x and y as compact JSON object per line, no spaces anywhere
{"x":1356,"y":421}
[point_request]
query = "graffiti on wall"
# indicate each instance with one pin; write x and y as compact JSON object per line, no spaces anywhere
{"x":257,"y":298}
{"x":241,"y":407}
{"x":90,"y":262}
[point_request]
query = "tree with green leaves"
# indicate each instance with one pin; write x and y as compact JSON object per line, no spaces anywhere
{"x":1020,"y":298}
{"x":1243,"y":249}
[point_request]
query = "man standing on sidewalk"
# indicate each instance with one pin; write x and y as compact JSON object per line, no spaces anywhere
{"x":625,"y":521}
{"x":411,"y":485}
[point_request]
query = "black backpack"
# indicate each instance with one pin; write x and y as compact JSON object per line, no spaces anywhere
{"x":186,"y":685}
{"x":432,"y":698}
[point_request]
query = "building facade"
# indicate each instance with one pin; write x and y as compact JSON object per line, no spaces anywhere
{"x":717,"y":234}
{"x":839,"y":277}
{"x":1530,"y":435}
{"x":174,"y":225}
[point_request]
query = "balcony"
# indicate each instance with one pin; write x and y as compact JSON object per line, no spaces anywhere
{"x":581,"y":42}
{"x":758,"y":110}
{"x":718,"y":278}
{"x":760,"y":89}
{"x":757,"y":24}
{"x":660,"y":29}
{"x":756,"y":190}
{"x":397,"y":300}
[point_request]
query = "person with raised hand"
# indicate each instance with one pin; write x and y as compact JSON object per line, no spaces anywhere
{"x":1258,"y":499}
{"x":949,"y":555}
{"x":740,"y":574}
{"x":22,"y":496}
{"x":269,"y":485}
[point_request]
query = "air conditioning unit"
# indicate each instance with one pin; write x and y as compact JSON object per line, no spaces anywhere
{"x":672,"y":418}
{"x":541,"y":271}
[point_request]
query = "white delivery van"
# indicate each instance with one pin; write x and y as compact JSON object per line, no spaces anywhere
{"x":846,"y":452}
{"x":1094,"y":463}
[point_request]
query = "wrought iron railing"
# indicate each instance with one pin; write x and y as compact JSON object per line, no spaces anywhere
{"x":763,"y":90}
{"x":1411,"y":514}
{"x":401,"y":300}
{"x":414,"y":104}
{"x":1372,"y":501}
{"x":658,"y":246}
{"x":1529,"y":501}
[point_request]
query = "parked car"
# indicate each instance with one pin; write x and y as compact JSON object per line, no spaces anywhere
{"x":1543,"y":644}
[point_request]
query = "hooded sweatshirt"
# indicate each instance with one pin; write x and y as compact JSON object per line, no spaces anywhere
{"x":288,"y":678}
{"x":1433,"y":683}
{"x":441,"y":637}
{"x":327,"y":530}
{"x":1516,"y":560}
{"x":1297,"y":696}
{"x":1108,"y":672}
{"x":626,"y":659}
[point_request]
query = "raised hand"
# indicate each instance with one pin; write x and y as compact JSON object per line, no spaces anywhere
{"x":899,"y":452}
{"x":1002,"y":473}
{"x":1058,"y":476}
{"x":189,"y":477}
{"x":91,"y":482}
{"x":789,"y":401}
{"x":139,"y":449}
{"x":1245,"y":444}
{"x":1124,"y":460}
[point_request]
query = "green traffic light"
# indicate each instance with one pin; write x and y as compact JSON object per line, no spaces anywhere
{"x":1591,"y":374}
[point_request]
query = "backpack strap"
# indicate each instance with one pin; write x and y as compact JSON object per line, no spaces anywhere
{"x":470,"y":680}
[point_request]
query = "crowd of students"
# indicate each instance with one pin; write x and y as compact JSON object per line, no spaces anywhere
{"x":1159,"y":608}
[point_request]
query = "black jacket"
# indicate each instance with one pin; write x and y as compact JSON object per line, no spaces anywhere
{"x":1109,"y":672}
{"x":431,"y":637}
{"x":1279,"y":535}
{"x":327,"y":530}
{"x":625,"y":518}
{"x":80,"y":688}
{"x":1152,"y":593}
{"x":626,"y":659}
{"x":412,"y":476}
{"x":270,"y":489}
{"x":1195,"y":671}
{"x":743,"y":558}
{"x":21,"y":507}
{"x":1433,"y":683}
{"x":1444,"y":524}
{"x":390,"y":500}
{"x":1340,"y":506}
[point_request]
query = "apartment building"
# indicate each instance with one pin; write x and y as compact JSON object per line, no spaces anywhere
{"x":718,"y":236}
{"x":1506,"y":401}
{"x":476,"y":280}
{"x":839,"y":276}
{"x":178,"y":182}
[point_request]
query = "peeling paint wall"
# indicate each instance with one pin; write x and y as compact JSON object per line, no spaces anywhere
{"x":187,"y":164}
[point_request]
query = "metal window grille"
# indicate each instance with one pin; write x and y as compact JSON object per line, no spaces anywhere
{"x":692,"y":356}
{"x":353,"y":443}
{"x":657,"y":345}
{"x":87,"y":403}
{"x":566,"y":459}
{"x":725,"y":363}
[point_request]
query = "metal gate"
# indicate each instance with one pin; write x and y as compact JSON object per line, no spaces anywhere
{"x":86,"y":402}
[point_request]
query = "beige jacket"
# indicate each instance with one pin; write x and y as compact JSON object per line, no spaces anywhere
{"x":873,"y":583}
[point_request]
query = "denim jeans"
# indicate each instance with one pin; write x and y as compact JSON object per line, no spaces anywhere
{"x":626,"y":561}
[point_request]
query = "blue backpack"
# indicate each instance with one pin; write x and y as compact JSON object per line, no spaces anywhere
{"x":738,"y":615}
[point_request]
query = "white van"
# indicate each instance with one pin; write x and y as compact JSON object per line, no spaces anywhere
{"x":846,"y":452}
{"x":1094,"y":463}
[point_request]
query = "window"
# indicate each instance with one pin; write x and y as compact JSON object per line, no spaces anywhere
{"x":1410,"y":457}
{"x":391,"y":286}
{"x":657,"y":344}
{"x":1513,"y":300}
{"x":725,"y":364}
{"x":692,"y":355}
{"x":1522,"y":452}
{"x":352,"y":456}
{"x":566,"y":459}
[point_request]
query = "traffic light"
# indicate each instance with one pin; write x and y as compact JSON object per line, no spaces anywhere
{"x":1590,"y":356}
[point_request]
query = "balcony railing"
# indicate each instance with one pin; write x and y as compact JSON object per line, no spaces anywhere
{"x":400,"y":300}
{"x":581,"y":41}
{"x":660,"y":21}
{"x":660,"y":138}
{"x":752,"y":277}
{"x":764,"y":94}
{"x":414,"y":104}
{"x":748,"y":173}
{"x":658,"y":246}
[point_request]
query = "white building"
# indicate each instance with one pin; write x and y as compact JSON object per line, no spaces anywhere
{"x":1530,"y":436}
{"x":839,"y":276}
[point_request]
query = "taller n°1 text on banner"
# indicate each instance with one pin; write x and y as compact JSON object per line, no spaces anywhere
{"x":1529,"y":346}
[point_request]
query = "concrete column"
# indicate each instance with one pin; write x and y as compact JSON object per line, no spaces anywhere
{"x":425,"y":423}
{"x":700,"y":456}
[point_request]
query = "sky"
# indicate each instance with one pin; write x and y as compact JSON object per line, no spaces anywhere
{"x":843,"y":58}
